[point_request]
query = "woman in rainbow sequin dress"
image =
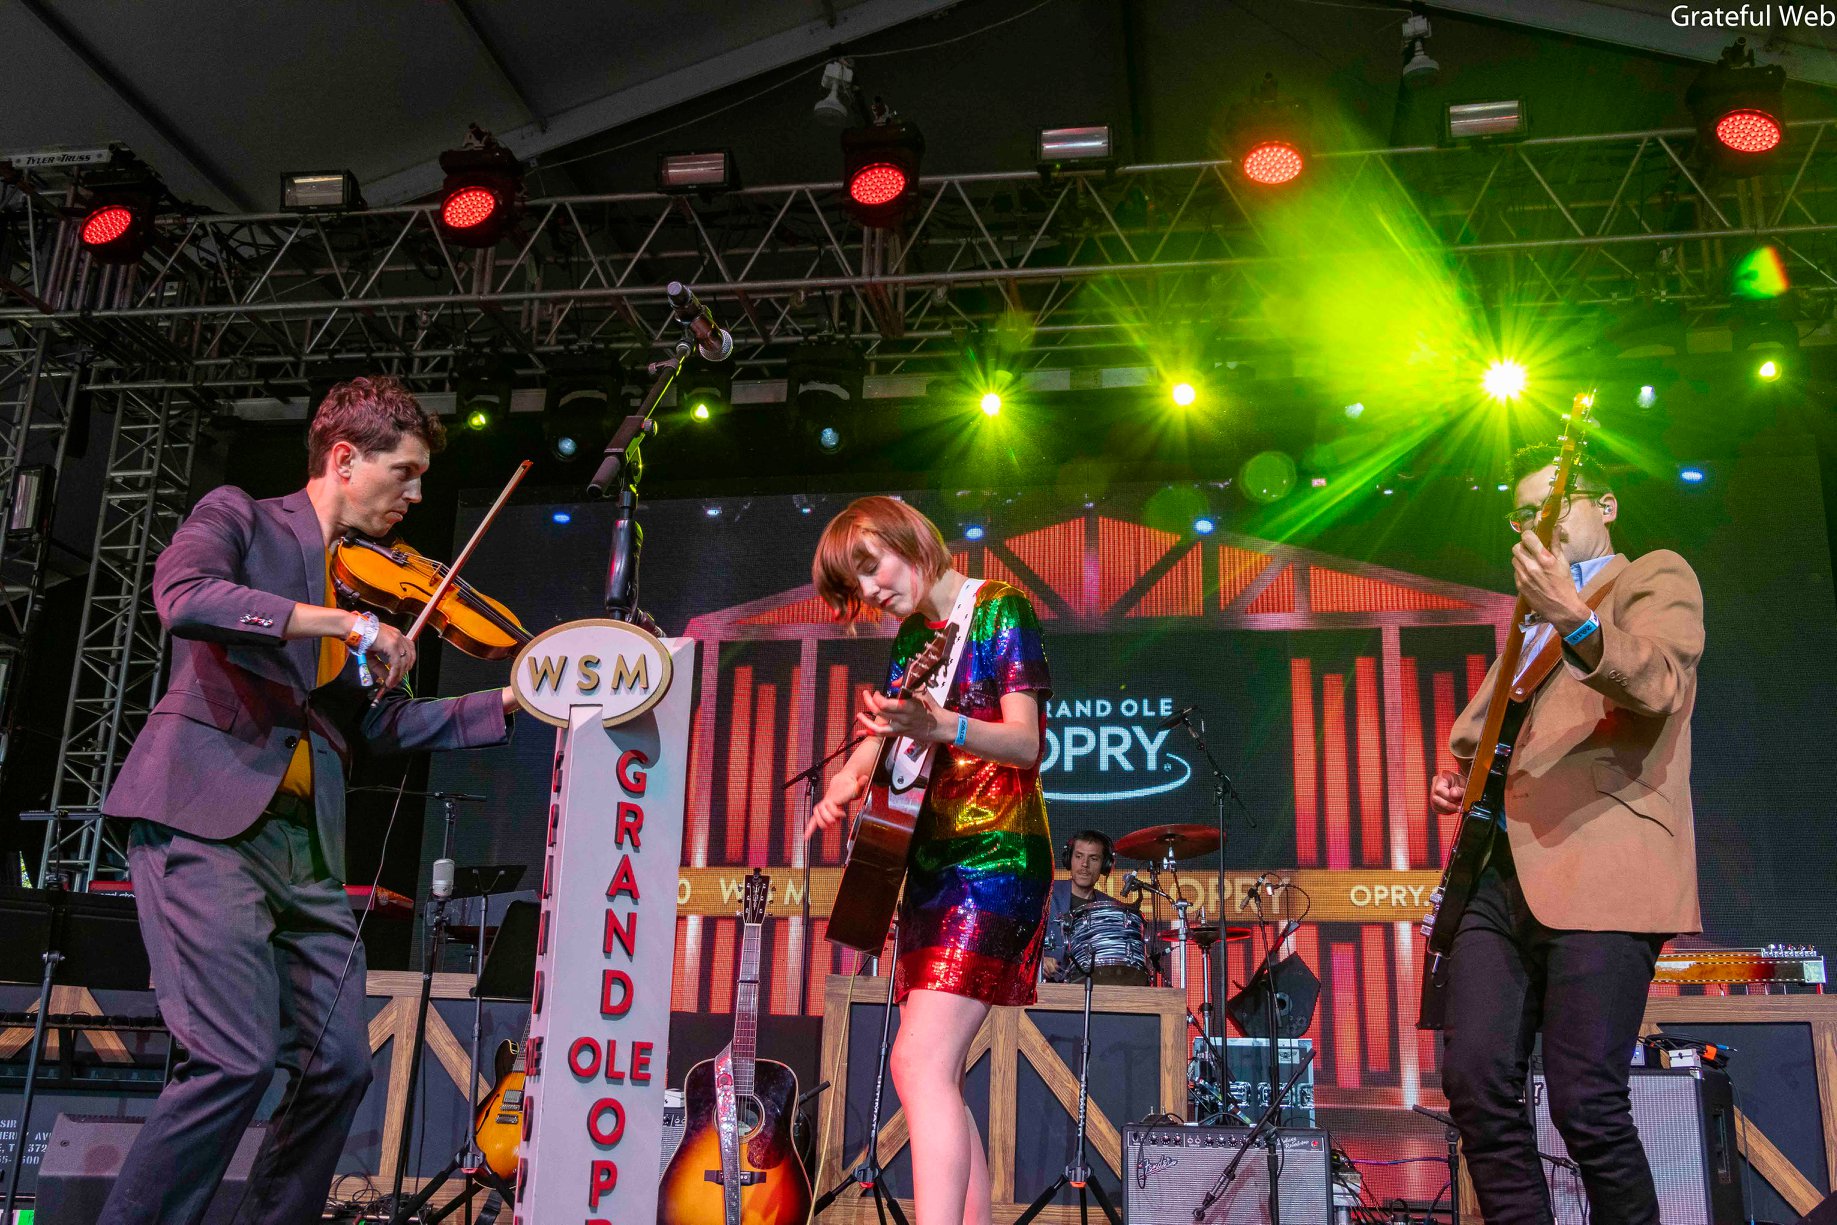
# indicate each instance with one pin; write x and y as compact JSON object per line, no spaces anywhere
{"x":972,"y":921}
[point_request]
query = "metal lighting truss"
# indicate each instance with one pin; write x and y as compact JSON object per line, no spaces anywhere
{"x":1063,"y":270}
{"x":1074,"y":269}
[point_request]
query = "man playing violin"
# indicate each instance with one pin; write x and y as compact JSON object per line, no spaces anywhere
{"x":236,"y":790}
{"x":1592,"y":866}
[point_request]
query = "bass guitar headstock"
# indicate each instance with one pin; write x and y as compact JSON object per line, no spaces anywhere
{"x":1578,"y":423}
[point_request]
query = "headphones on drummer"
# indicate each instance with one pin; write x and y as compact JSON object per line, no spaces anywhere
{"x":1089,"y":835}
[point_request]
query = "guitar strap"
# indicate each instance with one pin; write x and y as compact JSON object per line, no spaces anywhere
{"x":911,"y":758}
{"x":1544,"y":649}
{"x":727,"y":1125}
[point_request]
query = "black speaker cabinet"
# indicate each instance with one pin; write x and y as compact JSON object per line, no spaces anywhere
{"x":1167,"y":1172}
{"x":1686,"y":1121}
{"x":85,"y":1155}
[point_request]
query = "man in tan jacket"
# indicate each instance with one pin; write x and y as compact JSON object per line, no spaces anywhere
{"x":1592,"y":868}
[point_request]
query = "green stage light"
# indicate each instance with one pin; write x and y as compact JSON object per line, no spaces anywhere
{"x":478,"y":419}
{"x":1184,"y":394}
{"x":991,"y":404}
{"x":1769,"y":370}
{"x":1504,"y":380}
{"x":700,"y":412}
{"x":1759,"y":275}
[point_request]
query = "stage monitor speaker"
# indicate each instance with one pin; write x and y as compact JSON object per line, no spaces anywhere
{"x":1167,"y":1171}
{"x":1686,"y":1122}
{"x":85,"y":1154}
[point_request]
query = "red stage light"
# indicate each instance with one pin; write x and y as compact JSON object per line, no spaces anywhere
{"x":880,"y":183}
{"x":1749,"y":131}
{"x":104,"y":225}
{"x":1272,"y":163}
{"x":468,"y":207}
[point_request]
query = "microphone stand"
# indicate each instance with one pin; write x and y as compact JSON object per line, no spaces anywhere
{"x":809,"y":779}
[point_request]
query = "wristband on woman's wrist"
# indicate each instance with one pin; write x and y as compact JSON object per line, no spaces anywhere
{"x":963,"y":731}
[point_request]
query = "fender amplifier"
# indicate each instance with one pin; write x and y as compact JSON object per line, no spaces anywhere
{"x":85,"y":1153}
{"x":1167,"y":1172}
{"x":1686,"y":1122}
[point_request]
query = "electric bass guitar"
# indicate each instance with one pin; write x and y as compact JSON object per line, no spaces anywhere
{"x":736,"y":1164}
{"x":1483,"y":803}
{"x":881,"y":837}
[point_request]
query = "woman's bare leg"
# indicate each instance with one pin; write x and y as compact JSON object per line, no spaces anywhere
{"x":935,"y":1032}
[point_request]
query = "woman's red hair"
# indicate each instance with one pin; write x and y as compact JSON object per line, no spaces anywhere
{"x":890,"y":526}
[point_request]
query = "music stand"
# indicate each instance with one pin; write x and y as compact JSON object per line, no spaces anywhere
{"x":100,"y":935}
{"x":506,"y":971}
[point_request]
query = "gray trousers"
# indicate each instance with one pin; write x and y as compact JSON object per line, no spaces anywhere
{"x":250,"y":939}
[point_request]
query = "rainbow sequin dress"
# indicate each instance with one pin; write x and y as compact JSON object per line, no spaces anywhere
{"x":973,"y":918}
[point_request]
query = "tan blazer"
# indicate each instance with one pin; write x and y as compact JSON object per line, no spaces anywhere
{"x":1598,"y":798}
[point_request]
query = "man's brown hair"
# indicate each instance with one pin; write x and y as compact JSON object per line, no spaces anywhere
{"x":887,"y":523}
{"x":372,"y":415}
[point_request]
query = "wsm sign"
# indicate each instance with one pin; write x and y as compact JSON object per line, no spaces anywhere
{"x":1100,"y":750}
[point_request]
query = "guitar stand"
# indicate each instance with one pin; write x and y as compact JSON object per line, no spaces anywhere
{"x":870,"y":1175}
{"x":1077,"y":1173}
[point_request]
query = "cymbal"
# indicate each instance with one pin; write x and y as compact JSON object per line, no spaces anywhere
{"x":1205,"y":935}
{"x":1184,"y":841}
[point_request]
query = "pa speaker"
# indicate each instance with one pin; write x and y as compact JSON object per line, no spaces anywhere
{"x":85,"y":1155}
{"x":1168,"y":1171}
{"x":1686,"y":1122}
{"x":1297,"y":993}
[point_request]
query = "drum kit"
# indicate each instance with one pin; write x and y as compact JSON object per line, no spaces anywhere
{"x":1117,"y":945}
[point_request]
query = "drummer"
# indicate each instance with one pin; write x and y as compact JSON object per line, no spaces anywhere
{"x":1087,"y":855}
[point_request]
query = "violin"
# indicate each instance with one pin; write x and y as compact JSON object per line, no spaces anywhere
{"x":395,"y":577}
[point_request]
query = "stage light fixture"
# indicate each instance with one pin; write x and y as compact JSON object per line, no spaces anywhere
{"x":478,"y":419}
{"x":1086,"y":148}
{"x":1418,"y":68}
{"x":118,"y":227}
{"x":991,"y":404}
{"x":880,"y":168}
{"x":974,"y":531}
{"x":704,"y":388}
{"x":1184,"y":394}
{"x":1504,"y":380}
{"x":1691,"y":476}
{"x":1354,"y":411}
{"x":482,"y":387}
{"x":330,"y":191}
{"x":708,"y":173}
{"x":562,"y":516}
{"x":1768,"y":370}
{"x":1204,"y":525}
{"x":579,"y":409}
{"x":829,"y":440}
{"x":1480,"y":121}
{"x":1266,"y":136}
{"x":1647,"y":397}
{"x":482,"y":197}
{"x":836,"y":108}
{"x":1738,"y":108}
{"x":1759,"y":276}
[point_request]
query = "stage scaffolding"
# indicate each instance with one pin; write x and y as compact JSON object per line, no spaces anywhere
{"x":1064,"y":270}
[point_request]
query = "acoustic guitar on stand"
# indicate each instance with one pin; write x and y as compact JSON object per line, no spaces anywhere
{"x":747,"y":1172}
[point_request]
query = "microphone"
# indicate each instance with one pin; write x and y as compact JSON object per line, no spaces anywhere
{"x":1131,"y":886}
{"x":1256,"y":886}
{"x":1176,"y":719}
{"x":443,"y":878}
{"x":713,"y":342}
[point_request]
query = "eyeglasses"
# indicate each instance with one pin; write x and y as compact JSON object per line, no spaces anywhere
{"x":1524,"y":516}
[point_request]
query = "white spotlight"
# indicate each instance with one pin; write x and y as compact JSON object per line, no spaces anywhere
{"x":836,"y":109}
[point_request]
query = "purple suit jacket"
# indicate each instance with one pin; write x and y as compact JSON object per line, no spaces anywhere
{"x":217,"y":745}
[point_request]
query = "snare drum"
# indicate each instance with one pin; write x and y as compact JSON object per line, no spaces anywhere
{"x":1110,"y":943}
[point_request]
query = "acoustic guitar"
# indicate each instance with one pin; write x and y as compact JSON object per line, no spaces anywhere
{"x":880,"y":838}
{"x":751,"y":1175}
{"x":1483,"y":803}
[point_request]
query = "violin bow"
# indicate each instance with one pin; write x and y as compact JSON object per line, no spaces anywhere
{"x":478,"y":533}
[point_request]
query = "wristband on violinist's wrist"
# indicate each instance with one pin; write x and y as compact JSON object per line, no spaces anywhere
{"x":362,"y":634}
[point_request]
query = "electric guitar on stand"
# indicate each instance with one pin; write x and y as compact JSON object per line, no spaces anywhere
{"x":737,"y":1164}
{"x":1483,"y":803}
{"x":881,"y":837}
{"x":498,"y":1128}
